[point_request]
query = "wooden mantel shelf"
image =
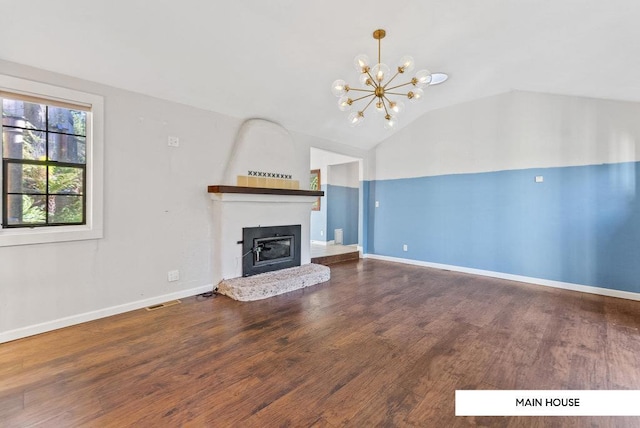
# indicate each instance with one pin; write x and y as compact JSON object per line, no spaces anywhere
{"x":262,"y":191}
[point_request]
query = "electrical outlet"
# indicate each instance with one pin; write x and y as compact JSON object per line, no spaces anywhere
{"x":322,"y":233}
{"x":539,"y":178}
{"x":377,"y":204}
{"x":405,"y":247}
{"x":173,"y":141}
{"x":173,"y":275}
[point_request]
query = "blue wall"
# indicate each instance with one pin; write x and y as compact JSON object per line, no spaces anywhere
{"x":581,"y":225}
{"x":368,"y":213}
{"x":342,"y":212}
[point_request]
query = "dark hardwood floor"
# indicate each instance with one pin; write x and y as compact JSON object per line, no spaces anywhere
{"x":381,"y":344}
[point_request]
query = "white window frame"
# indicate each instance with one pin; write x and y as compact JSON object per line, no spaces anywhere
{"x":93,"y":229}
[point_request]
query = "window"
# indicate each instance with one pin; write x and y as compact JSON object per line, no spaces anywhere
{"x":51,"y":163}
{"x":44,"y":163}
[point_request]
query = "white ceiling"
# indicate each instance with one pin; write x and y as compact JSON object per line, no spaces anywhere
{"x":276,"y":59}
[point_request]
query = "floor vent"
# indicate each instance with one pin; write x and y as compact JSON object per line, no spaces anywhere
{"x":163,"y":305}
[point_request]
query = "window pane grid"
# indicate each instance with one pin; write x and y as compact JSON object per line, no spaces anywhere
{"x":44,"y":130}
{"x":51,"y":182}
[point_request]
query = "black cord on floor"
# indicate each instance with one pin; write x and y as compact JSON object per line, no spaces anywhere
{"x":207,"y":295}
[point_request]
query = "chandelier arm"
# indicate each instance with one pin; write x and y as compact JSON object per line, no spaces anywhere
{"x":396,"y":93}
{"x":386,"y":112}
{"x":362,"y":90}
{"x":363,"y":97}
{"x":399,"y":86}
{"x":389,"y":81}
{"x":372,"y":79}
{"x":368,"y":104}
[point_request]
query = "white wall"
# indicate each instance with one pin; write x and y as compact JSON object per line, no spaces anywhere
{"x":158,"y":216}
{"x":320,"y":159}
{"x":514,"y":130}
{"x":344,"y":174}
{"x":265,"y":146}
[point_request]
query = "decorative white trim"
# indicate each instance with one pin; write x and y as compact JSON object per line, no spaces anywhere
{"x":324,"y":243}
{"x":538,"y":281}
{"x":266,"y":198}
{"x":31,"y":330}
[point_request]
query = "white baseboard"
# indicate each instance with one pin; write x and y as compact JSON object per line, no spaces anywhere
{"x":538,"y":281}
{"x":31,"y":330}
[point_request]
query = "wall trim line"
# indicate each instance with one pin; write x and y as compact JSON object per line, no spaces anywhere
{"x":519,"y":278}
{"x":47,"y":326}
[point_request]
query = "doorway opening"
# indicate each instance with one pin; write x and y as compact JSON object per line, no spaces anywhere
{"x":336,"y":221}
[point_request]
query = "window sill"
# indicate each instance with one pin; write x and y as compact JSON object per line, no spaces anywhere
{"x":46,"y":235}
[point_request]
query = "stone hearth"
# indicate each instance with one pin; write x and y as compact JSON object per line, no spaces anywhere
{"x":270,"y":284}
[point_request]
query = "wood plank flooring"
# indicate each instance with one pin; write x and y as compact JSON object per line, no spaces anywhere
{"x":381,"y":344}
{"x":336,"y":258}
{"x":330,"y":254}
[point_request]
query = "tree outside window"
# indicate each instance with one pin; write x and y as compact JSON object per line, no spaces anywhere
{"x":44,"y":164}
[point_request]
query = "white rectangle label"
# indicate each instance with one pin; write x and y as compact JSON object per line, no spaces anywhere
{"x":547,"y":403}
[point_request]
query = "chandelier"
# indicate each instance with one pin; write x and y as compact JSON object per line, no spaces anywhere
{"x":376,"y":81}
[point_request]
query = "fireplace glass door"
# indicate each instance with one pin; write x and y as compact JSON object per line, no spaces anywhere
{"x":268,"y":250}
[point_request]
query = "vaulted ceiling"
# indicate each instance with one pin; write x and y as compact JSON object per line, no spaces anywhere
{"x":276,"y":59}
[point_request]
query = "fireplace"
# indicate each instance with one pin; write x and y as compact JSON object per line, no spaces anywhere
{"x":235,"y":208}
{"x":266,"y":249}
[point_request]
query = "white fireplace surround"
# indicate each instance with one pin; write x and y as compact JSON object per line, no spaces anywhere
{"x":233,"y":211}
{"x":260,"y":145}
